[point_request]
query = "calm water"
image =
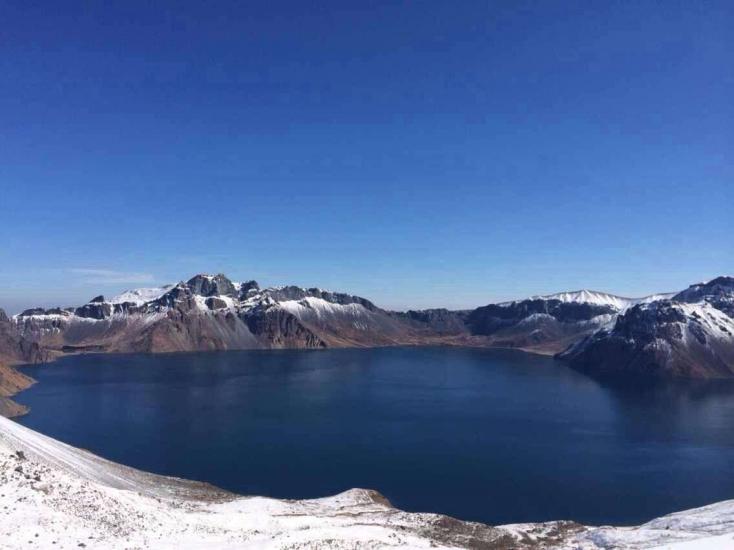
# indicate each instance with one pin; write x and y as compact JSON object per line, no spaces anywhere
{"x":494,"y":436}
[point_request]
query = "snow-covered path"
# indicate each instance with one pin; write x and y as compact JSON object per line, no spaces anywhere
{"x":53,"y":495}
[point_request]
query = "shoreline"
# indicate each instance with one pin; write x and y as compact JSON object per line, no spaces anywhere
{"x":12,"y":383}
{"x":56,"y":495}
{"x":17,"y":409}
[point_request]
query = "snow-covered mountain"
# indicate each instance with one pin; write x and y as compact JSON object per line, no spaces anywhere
{"x":546,"y":324}
{"x":140,"y":296}
{"x":686,"y":334}
{"x":212,"y":312}
{"x":690,"y":334}
{"x":595,"y":297}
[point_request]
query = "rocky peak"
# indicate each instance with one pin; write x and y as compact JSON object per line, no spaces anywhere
{"x":3,"y":316}
{"x":208,"y":285}
{"x":247,"y":288}
{"x":97,"y":299}
{"x":94,"y":310}
{"x":287,"y":293}
{"x":645,"y":322}
{"x":718,"y":292}
{"x":180,"y":293}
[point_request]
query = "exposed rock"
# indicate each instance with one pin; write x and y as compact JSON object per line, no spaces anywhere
{"x":10,"y":409}
{"x":718,"y":292}
{"x":215,"y":303}
{"x":599,"y":332}
{"x":14,"y":349}
{"x":247,"y":289}
{"x":217,"y":285}
{"x":281,"y":329}
{"x":690,"y":336}
{"x":94,"y":310}
{"x":440,"y":321}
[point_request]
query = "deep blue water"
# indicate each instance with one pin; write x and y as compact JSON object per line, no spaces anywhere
{"x":487,"y":435}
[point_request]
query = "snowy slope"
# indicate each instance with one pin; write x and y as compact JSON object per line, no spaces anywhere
{"x":140,"y":296}
{"x":588,"y":297}
{"x":690,"y":335}
{"x":53,"y":495}
{"x":601,"y":298}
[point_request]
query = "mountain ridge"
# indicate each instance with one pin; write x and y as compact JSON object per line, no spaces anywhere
{"x":689,"y":334}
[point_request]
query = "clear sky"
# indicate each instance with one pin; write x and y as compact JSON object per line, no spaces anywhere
{"x":425,"y":153}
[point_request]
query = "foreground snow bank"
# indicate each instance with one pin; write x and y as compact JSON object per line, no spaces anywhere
{"x":53,"y":495}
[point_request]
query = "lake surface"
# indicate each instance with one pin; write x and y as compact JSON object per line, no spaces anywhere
{"x":487,"y":435}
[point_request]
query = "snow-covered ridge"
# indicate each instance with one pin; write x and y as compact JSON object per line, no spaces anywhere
{"x":139,"y":296}
{"x":57,"y":496}
{"x":601,"y":298}
{"x":319,"y":307}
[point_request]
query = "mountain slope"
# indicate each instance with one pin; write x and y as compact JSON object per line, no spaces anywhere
{"x":212,"y":312}
{"x":546,"y":325}
{"x":14,"y":349}
{"x":690,"y":335}
{"x":683,"y":335}
{"x":53,"y":495}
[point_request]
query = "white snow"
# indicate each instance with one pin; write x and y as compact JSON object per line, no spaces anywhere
{"x":654,"y":298}
{"x":140,"y":296}
{"x":588,"y":297}
{"x":56,"y":496}
{"x":43,"y":317}
{"x":596,"y":297}
{"x":715,"y":322}
{"x":53,"y":495}
{"x":310,"y":309}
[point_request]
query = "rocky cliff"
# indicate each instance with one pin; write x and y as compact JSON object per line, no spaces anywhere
{"x":687,"y":334}
{"x":14,"y":349}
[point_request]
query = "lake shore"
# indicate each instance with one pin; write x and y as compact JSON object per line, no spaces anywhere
{"x":54,"y":495}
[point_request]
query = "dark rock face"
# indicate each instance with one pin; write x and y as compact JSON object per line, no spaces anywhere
{"x":14,"y":347}
{"x":247,"y":289}
{"x":441,"y":321}
{"x":215,"y":303}
{"x":218,"y":285}
{"x":99,"y":298}
{"x":688,"y":336}
{"x":180,"y":296}
{"x":494,"y":317}
{"x":718,"y":292}
{"x":33,"y":311}
{"x":281,"y":329}
{"x":662,"y":340}
{"x":297,"y":293}
{"x":94,"y":310}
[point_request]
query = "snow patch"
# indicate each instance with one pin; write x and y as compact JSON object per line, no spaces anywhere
{"x":140,"y":296}
{"x":320,"y":309}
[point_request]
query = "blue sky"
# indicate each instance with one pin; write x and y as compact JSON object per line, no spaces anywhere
{"x":418,"y":153}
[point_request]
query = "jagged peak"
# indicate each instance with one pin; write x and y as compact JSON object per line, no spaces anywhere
{"x":211,"y":285}
{"x":720,"y":286}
